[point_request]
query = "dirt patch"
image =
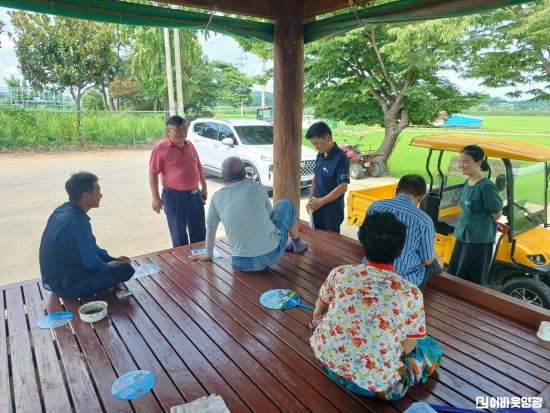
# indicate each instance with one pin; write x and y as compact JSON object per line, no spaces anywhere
{"x":32,"y":185}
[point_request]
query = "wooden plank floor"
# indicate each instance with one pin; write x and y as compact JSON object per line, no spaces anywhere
{"x":200,"y":329}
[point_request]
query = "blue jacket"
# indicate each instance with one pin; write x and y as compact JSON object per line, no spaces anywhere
{"x":68,"y":251}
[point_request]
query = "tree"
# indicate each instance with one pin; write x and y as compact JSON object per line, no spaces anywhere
{"x":386,"y":75}
{"x":61,"y":52}
{"x":147,"y":66}
{"x":125,"y":89}
{"x":93,"y":100}
{"x":264,"y":51}
{"x":234,"y":86}
{"x":510,"y":47}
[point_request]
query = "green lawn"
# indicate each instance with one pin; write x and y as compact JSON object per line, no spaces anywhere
{"x":519,"y":124}
{"x":407,"y":159}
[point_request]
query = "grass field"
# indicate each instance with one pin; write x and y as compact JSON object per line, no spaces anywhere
{"x":519,"y":124}
{"x":407,"y":159}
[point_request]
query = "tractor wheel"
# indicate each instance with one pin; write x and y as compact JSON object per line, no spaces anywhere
{"x":356,"y":171}
{"x":528,"y":289}
{"x":376,"y":169}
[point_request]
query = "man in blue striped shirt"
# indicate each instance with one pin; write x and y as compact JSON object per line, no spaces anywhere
{"x":417,"y":262}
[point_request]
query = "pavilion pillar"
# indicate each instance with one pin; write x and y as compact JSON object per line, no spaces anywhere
{"x":288,"y":101}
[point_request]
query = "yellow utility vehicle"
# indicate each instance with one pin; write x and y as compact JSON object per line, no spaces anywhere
{"x":520,"y":170}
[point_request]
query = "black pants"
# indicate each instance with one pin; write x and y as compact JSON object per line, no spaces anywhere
{"x":100,"y":281}
{"x":184,"y":212}
{"x":330,"y":216}
{"x":471,"y":261}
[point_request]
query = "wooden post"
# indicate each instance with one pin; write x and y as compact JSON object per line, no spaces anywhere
{"x":288,"y":102}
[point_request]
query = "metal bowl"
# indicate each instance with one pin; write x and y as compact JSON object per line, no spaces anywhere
{"x":93,"y":311}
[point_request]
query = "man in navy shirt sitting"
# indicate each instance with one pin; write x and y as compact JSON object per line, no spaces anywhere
{"x":331,"y":179}
{"x":71,"y":263}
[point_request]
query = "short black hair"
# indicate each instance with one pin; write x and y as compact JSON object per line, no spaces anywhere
{"x":79,"y":183}
{"x":382,"y":236}
{"x":413,"y":184}
{"x":318,"y":130}
{"x":477,"y":155}
{"x":175,"y":120}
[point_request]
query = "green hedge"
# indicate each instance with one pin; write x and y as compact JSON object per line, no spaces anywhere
{"x":33,"y":128}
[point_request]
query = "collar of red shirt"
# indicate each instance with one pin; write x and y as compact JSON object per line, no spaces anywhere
{"x":170,"y":143}
{"x":381,"y":266}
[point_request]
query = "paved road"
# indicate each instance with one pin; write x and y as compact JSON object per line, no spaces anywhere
{"x":32,"y":185}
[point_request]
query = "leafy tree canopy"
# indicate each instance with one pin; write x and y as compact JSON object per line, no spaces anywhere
{"x":386,"y":75}
{"x":62,"y":52}
{"x":147,"y":65}
{"x":234,"y":86}
{"x":510,"y":47}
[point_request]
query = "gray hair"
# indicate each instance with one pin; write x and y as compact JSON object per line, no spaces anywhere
{"x":233,"y":169}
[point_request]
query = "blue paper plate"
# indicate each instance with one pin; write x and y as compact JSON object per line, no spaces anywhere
{"x":133,"y":384}
{"x":54,"y":320}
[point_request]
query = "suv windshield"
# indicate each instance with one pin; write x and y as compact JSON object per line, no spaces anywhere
{"x":255,"y":135}
{"x":529,"y":206}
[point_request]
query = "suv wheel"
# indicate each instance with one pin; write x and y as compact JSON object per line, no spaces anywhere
{"x":252,"y":174}
{"x":528,"y":289}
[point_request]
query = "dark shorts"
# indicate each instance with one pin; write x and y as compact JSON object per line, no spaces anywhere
{"x":429,"y":271}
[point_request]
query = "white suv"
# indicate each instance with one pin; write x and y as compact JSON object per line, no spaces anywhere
{"x":251,"y":140}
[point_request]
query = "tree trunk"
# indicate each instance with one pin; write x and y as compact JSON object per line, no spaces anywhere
{"x":107,"y":101}
{"x":80,"y":137}
{"x":395,"y":121}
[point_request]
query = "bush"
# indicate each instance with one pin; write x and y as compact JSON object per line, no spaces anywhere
{"x":23,"y":128}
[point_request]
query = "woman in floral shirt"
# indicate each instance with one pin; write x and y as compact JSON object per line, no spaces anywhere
{"x":372,"y":339}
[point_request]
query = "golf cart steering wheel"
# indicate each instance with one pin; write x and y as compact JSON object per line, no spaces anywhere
{"x":528,"y":214}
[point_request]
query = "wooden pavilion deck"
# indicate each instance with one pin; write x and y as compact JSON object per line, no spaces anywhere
{"x":200,"y":329}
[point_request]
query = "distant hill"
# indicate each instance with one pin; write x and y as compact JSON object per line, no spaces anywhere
{"x":257,"y":98}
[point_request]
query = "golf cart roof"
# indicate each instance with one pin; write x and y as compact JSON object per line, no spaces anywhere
{"x":495,"y":147}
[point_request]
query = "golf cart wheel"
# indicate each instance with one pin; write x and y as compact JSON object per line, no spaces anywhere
{"x":376,"y":169}
{"x":252,"y":174}
{"x":528,"y":289}
{"x":356,"y":171}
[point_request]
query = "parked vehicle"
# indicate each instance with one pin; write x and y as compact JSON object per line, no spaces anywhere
{"x":361,"y":162}
{"x":521,"y":261}
{"x":265,"y":113}
{"x":249,"y":139}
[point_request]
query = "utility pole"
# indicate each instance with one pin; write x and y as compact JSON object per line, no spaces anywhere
{"x":263,"y":85}
{"x":240,"y":62}
{"x":179,"y":85}
{"x":169,"y":77}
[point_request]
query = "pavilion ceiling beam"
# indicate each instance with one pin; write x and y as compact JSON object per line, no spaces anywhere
{"x":121,"y":12}
{"x":270,"y":9}
{"x":266,"y":9}
{"x":398,"y":12}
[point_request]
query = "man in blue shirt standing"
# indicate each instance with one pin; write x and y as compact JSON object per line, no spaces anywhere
{"x":417,"y":262}
{"x":330,"y":181}
{"x":71,"y":263}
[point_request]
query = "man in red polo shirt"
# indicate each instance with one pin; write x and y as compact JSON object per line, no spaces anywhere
{"x":180,"y":169}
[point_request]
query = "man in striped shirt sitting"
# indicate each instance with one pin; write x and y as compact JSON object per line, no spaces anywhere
{"x":417,"y":262}
{"x":256,"y":231}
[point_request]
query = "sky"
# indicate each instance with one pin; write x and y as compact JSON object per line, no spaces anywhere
{"x":216,"y":47}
